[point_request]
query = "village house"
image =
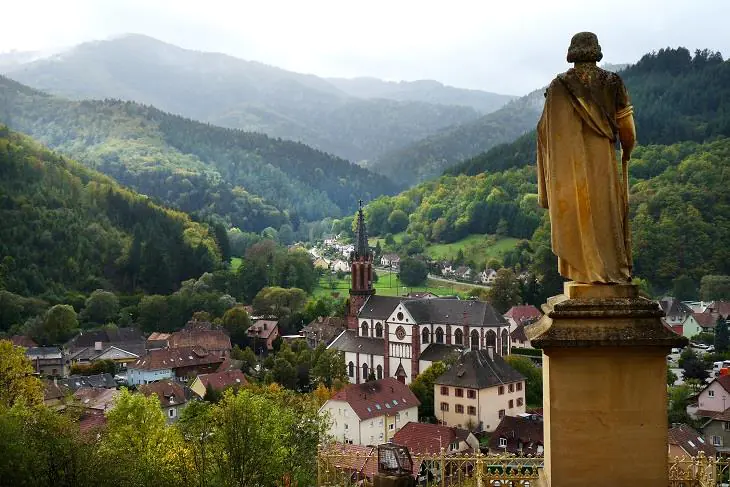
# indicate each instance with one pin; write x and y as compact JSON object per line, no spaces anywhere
{"x":48,"y":361}
{"x":157,"y":340}
{"x":218,"y":381}
{"x":518,"y":337}
{"x":370,"y":413}
{"x":689,"y":326}
{"x":90,"y":346}
{"x":323,"y":330}
{"x":686,"y":442}
{"x":339,"y":265}
{"x":321,"y":263}
{"x":171,"y":394}
{"x":478,"y":391}
{"x":520,"y":435}
{"x":712,"y":400}
{"x":676,"y":311}
{"x":263,"y":332}
{"x":429,"y":439}
{"x":463,"y":273}
{"x":215,"y":341}
{"x":523,"y":314}
{"x":172,"y":363}
{"x":390,"y":260}
{"x":706,"y":321}
{"x":488,"y":276}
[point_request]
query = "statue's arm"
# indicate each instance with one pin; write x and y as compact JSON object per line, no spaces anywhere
{"x":626,"y":131}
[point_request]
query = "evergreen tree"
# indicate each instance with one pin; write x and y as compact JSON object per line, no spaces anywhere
{"x":722,"y":336}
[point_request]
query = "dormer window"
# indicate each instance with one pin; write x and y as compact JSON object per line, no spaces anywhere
{"x":502,"y":442}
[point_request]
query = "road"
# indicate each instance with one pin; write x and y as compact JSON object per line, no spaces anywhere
{"x":451,"y":281}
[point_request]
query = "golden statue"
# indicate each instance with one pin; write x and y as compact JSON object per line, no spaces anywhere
{"x":587,"y":110}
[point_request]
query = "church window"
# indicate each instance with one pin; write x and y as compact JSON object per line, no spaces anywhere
{"x":364,"y":329}
{"x":400,"y":333}
{"x":458,"y":337}
{"x":399,"y":316}
{"x":439,"y":335}
{"x":380,"y":371}
{"x":424,"y":335}
{"x":492,"y":339}
{"x":364,"y":372}
{"x":378,"y":330}
{"x":474,"y":340}
{"x":505,"y":343}
{"x":351,"y":369}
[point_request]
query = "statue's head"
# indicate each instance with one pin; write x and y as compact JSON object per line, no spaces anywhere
{"x":584,"y":48}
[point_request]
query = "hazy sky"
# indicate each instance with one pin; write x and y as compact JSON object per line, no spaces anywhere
{"x":507,"y":46}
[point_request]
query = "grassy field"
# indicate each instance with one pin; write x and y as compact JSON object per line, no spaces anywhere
{"x":397,"y":237}
{"x":475,"y":247}
{"x":389,"y":285}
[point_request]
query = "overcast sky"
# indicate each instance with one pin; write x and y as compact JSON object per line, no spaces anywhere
{"x":506,"y":46}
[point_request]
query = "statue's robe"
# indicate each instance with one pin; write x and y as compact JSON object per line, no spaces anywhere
{"x":580,"y":180}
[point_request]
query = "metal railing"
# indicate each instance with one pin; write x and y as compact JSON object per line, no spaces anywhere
{"x":342,"y":467}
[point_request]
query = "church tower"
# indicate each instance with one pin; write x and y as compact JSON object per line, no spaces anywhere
{"x":361,"y":267}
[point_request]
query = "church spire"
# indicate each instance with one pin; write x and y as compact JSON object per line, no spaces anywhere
{"x":361,"y":235}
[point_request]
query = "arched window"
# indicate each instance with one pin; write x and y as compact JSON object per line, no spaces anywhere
{"x":505,"y":343}
{"x":351,"y":369}
{"x":439,"y":335}
{"x":378,"y":330}
{"x":458,"y":337}
{"x":474,"y":340}
{"x":491,"y":339}
{"x":364,"y":372}
{"x":424,"y":335}
{"x":380,"y":371}
{"x":364,"y":329}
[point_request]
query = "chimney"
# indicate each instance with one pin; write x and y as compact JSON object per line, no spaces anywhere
{"x":97,"y":346}
{"x":490,"y":352}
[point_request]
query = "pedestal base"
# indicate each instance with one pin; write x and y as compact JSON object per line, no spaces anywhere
{"x":604,"y":387}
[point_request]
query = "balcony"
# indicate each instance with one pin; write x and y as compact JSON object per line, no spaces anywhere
{"x":352,"y":465}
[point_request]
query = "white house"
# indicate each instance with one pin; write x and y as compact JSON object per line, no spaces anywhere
{"x":390,"y":260}
{"x":340,"y":265}
{"x":488,"y":276}
{"x":370,"y":413}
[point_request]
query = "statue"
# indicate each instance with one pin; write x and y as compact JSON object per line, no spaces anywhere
{"x":587,"y":111}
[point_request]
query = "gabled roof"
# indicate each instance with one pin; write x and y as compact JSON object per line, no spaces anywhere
{"x":447,"y":311}
{"x":477,"y":370}
{"x":325,"y":328}
{"x":208,"y":339}
{"x":378,"y":307}
{"x":169,"y":393}
{"x":76,"y":382}
{"x":440,"y":351}
{"x":674,"y":307}
{"x":44,"y":353}
{"x":356,"y":460}
{"x":108,"y":336}
{"x":690,"y":441}
{"x":523,"y":313}
{"x":262,"y":328}
{"x":377,"y":398}
{"x":114,"y":353}
{"x":22,"y":341}
{"x":221,"y":380}
{"x":158,"y":336}
{"x":706,"y":320}
{"x":721,"y":307}
{"x":518,"y":333}
{"x":523,"y":434}
{"x":349,"y":341}
{"x":426,"y":438}
{"x":173,"y":358}
{"x":96,"y":397}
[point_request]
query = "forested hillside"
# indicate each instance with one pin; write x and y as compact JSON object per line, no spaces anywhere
{"x":231,"y":92}
{"x":68,"y":228}
{"x":250,"y":180}
{"x":679,"y":202}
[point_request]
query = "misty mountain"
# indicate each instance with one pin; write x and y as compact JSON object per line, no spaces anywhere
{"x":227,"y":91}
{"x":249,"y":180}
{"x":429,"y":91}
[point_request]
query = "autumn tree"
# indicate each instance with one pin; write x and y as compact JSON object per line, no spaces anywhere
{"x":18,"y":385}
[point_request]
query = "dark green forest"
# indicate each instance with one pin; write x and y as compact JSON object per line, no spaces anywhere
{"x":248,"y":180}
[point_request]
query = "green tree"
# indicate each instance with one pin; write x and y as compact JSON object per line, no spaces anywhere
{"x":284,"y":373}
{"x":329,"y":368}
{"x":413,"y":271}
{"x":679,"y":399}
{"x":533,"y":378}
{"x":246,"y":356}
{"x":101,"y":307}
{"x":58,"y":325}
{"x":236,"y":322}
{"x":397,"y":221}
{"x":197,"y":429}
{"x":671,"y":377}
{"x":277,"y":301}
{"x":422,"y":386}
{"x":715,"y":288}
{"x":684,"y":288}
{"x":505,"y":291}
{"x":17,"y":383}
{"x":722,"y":336}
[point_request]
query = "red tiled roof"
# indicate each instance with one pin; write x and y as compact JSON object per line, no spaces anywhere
{"x":23,"y":341}
{"x":689,"y":440}
{"x":91,"y":422}
{"x":362,"y":460}
{"x":376,"y":398}
{"x":523,"y":313}
{"x":168,"y":392}
{"x":258,"y":329}
{"x":156,"y":335}
{"x":208,"y":339}
{"x":523,"y":435}
{"x":173,"y":358}
{"x":220,"y":380}
{"x":721,"y":307}
{"x":706,"y":320}
{"x":426,"y":438}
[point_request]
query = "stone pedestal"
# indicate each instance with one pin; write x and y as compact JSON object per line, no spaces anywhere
{"x":604,"y":387}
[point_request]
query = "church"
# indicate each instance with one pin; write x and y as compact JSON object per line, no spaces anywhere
{"x":400,"y":336}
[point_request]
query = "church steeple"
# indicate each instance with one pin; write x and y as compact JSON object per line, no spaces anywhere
{"x":361,"y":236}
{"x":361,"y":268}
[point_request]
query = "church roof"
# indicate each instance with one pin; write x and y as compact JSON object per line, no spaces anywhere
{"x":439,"y":310}
{"x":439,"y":351}
{"x":379,"y":307}
{"x":477,"y":370}
{"x":349,"y":341}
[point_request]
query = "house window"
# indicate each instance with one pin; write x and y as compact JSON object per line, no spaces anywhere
{"x":444,"y":406}
{"x":346,"y":427}
{"x":351,"y":369}
{"x":349,"y":442}
{"x":471,"y":394}
{"x":364,"y":329}
{"x":471,"y":410}
{"x":520,"y":401}
{"x":444,"y":391}
{"x":711,"y":393}
{"x":717,"y":440}
{"x":458,"y":392}
{"x":458,"y":337}
{"x":519,"y":386}
{"x":726,"y":426}
{"x":511,"y":404}
{"x":424,"y":336}
{"x":454,"y":446}
{"x":439,"y":335}
{"x":378,"y":330}
{"x":501,"y":390}
{"x":503,"y":442}
{"x":501,"y":413}
{"x":380,"y":372}
{"x":459,"y":409}
{"x":391,"y":426}
{"x":511,"y":388}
